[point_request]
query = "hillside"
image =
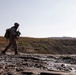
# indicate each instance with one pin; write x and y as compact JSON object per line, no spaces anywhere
{"x":44,"y":45}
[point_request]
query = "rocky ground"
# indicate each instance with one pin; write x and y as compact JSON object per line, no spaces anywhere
{"x":37,"y":64}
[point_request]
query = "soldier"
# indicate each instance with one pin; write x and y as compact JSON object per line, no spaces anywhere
{"x":12,"y":38}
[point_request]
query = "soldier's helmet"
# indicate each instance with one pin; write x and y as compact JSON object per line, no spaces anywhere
{"x":16,"y":24}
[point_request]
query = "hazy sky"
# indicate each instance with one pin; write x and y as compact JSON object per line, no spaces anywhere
{"x":39,"y":18}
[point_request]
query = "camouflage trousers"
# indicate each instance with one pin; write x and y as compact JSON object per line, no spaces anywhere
{"x":12,"y":42}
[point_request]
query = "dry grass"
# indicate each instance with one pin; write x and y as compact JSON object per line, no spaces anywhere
{"x":45,"y":45}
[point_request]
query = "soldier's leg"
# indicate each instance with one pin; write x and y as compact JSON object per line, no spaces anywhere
{"x":15,"y":46}
{"x":9,"y":45}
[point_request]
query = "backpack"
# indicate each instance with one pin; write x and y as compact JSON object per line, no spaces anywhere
{"x":7,"y":33}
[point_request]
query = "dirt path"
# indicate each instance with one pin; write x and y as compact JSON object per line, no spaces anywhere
{"x":37,"y":64}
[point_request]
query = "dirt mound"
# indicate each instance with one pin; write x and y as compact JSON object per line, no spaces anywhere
{"x":44,"y":45}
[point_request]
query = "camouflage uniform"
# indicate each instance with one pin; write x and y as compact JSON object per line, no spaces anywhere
{"x":12,"y":39}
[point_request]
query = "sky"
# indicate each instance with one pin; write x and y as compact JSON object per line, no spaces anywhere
{"x":39,"y":18}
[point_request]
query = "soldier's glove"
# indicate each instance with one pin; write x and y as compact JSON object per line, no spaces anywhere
{"x":18,"y":33}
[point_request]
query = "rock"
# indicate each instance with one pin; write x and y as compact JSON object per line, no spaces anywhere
{"x":19,"y":69}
